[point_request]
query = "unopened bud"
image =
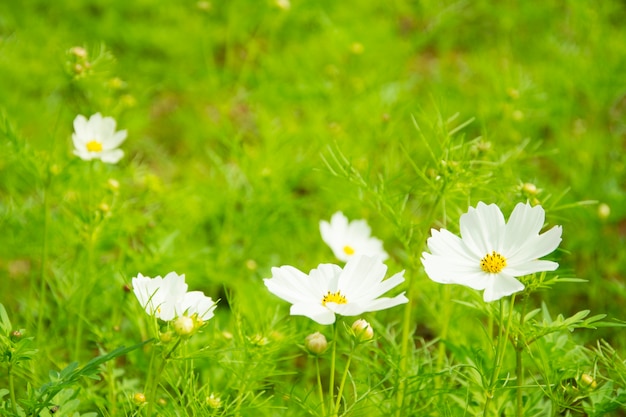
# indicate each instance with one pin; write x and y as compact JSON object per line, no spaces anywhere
{"x":184,"y":325}
{"x":587,"y":381}
{"x":113,"y":184}
{"x":362,"y":330}
{"x":166,"y":337}
{"x":16,"y":335}
{"x":139,"y":398}
{"x":316,"y":343}
{"x":213,"y":401}
{"x":79,"y":51}
{"x":604,"y":211}
{"x":529,"y":188}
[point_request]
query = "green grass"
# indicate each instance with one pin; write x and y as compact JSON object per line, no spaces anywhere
{"x":247,"y":125}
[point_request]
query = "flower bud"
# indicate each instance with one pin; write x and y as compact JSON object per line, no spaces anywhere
{"x":214,"y":401}
{"x":604,"y":211}
{"x":587,"y":381}
{"x":165,"y":337}
{"x":184,"y":325}
{"x":362,"y":330}
{"x":78,"y":51}
{"x":529,"y":188}
{"x":316,"y":343}
{"x":139,"y":398}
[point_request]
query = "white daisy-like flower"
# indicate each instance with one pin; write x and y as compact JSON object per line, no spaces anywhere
{"x":167,"y":298}
{"x":347,"y":239}
{"x":490,"y":253}
{"x":96,"y":138}
{"x":329,"y":289}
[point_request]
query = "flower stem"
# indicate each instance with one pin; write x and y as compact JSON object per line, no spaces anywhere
{"x":44,"y":263}
{"x":12,"y":390}
{"x":319,"y":385}
{"x":519,"y":365}
{"x":343,"y":381}
{"x":331,"y":386}
{"x":500,"y":350}
{"x":154,"y":377}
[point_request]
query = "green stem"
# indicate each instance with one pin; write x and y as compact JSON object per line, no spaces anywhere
{"x":500,"y":350}
{"x":44,"y":263}
{"x":441,"y":349}
{"x":319,"y":385}
{"x":331,"y":384}
{"x":155,"y":376}
{"x":519,"y":365}
{"x":12,"y":390}
{"x":343,"y":381}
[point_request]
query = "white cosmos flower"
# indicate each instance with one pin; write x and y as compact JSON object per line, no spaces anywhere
{"x":96,"y":138}
{"x":167,"y":298}
{"x":330,"y":290}
{"x":347,"y":239}
{"x":491,"y":253}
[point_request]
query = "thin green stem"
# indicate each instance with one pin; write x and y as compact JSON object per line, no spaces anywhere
{"x":519,"y":364}
{"x":12,"y":390}
{"x":503,"y":336}
{"x":331,"y":384}
{"x":319,"y":385}
{"x":44,"y":263}
{"x":443,"y":335}
{"x":343,"y":381}
{"x":155,"y":376}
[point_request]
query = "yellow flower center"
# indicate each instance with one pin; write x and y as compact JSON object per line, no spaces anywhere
{"x":348,"y":250}
{"x":493,"y":263}
{"x":334,"y":297}
{"x":94,"y":146}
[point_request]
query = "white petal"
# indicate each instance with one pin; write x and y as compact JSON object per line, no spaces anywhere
{"x":355,"y":309}
{"x":80,"y":125}
{"x":107,"y":128}
{"x":525,"y":221}
{"x":453,"y":271}
{"x":84,"y":154}
{"x":115,"y":140}
{"x":501,"y":285}
{"x":111,"y":157}
{"x":360,"y":274}
{"x":483,"y":228}
{"x":316,"y":312}
{"x":537,"y":246}
{"x":531,"y":267}
{"x":289,"y":284}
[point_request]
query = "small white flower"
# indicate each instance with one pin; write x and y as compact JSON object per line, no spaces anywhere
{"x":330,"y":290}
{"x":167,"y":298}
{"x":347,"y":239}
{"x":491,"y":253}
{"x":96,"y":138}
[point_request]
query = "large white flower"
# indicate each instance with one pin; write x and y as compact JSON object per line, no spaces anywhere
{"x":330,"y":290}
{"x":491,"y":253}
{"x":347,"y":239}
{"x":96,"y":138}
{"x":167,"y":298}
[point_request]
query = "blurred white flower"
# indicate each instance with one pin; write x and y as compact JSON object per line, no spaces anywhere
{"x":167,"y":298}
{"x":347,"y":239}
{"x":96,"y":138}
{"x":330,"y":290}
{"x":491,"y":253}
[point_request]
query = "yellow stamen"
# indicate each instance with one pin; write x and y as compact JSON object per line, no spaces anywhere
{"x":493,"y":263}
{"x":334,"y":297}
{"x":94,"y":146}
{"x":348,"y":250}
